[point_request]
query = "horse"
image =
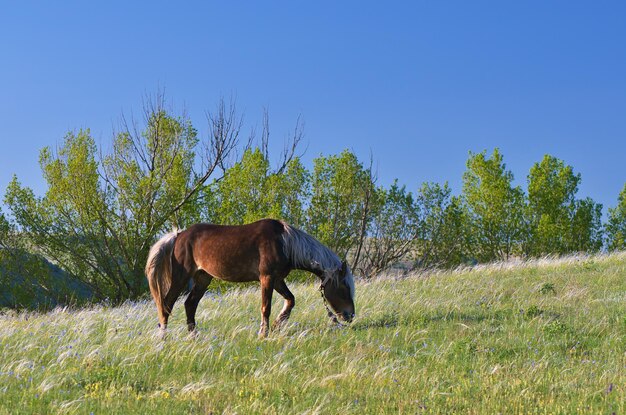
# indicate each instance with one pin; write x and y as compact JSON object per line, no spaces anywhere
{"x":264,"y":251}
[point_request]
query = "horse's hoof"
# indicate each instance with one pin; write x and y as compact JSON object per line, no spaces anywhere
{"x":279,"y":324}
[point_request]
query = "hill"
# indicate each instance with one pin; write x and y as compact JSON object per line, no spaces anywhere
{"x":542,"y":337}
{"x":53,"y":286}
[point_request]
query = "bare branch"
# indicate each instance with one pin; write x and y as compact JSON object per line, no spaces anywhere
{"x":291,"y":145}
{"x":265,"y":134}
{"x":224,"y":128}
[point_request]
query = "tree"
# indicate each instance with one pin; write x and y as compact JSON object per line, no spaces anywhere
{"x":616,"y":224}
{"x":289,"y":190}
{"x":250,"y":191}
{"x":495,"y":207}
{"x":341,"y":203}
{"x":558,"y":222}
{"x":442,"y":223}
{"x":585,"y":233}
{"x":552,"y":188}
{"x":239,"y":195}
{"x":99,"y":216}
{"x":393,"y":229}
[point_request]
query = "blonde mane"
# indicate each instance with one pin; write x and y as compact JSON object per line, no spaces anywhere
{"x":304,"y":251}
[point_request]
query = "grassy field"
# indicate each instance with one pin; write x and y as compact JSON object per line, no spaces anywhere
{"x":545,"y":337}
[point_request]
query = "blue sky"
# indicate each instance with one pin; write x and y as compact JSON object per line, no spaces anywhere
{"x":419,"y":84}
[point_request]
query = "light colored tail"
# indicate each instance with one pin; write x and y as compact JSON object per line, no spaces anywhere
{"x":159,"y":272}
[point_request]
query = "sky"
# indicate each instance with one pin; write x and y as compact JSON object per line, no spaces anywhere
{"x":417,"y":84}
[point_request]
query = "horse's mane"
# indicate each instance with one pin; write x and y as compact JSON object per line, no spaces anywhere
{"x":304,"y":251}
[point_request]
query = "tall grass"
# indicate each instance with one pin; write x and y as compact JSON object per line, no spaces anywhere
{"x":545,"y":338}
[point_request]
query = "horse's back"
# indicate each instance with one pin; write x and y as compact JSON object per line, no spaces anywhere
{"x":232,"y":252}
{"x":264,"y":230}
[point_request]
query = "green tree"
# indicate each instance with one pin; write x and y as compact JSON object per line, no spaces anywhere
{"x":495,"y":208}
{"x":552,"y":188}
{"x":289,"y":189}
{"x":99,"y":217}
{"x":250,"y":190}
{"x":586,"y":233}
{"x":559,"y":223}
{"x":442,"y":227}
{"x":392,"y":231}
{"x":239,"y":195}
{"x":616,"y":224}
{"x":340,"y":209}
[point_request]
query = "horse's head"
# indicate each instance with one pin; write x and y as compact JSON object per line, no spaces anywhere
{"x":338,"y":289}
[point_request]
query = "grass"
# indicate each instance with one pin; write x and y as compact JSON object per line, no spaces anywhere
{"x":543,"y":338}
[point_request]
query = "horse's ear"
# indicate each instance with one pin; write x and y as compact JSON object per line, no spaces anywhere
{"x":344,"y":268}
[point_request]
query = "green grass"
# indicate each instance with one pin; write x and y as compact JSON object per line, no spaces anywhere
{"x":547,"y":337}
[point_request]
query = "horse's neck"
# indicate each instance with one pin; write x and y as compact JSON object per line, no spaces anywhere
{"x":309,"y":254}
{"x":312,"y":269}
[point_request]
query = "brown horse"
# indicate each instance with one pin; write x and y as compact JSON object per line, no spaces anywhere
{"x":264,"y":251}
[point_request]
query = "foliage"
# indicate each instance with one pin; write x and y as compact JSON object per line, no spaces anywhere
{"x":103,"y":210}
{"x":64,"y":222}
{"x":393,"y":229}
{"x":341,"y":203}
{"x":586,"y":228}
{"x":559,"y":223}
{"x":442,"y":227}
{"x":99,"y":217}
{"x":552,"y":187}
{"x":250,"y":191}
{"x":616,"y":224}
{"x":495,"y":208}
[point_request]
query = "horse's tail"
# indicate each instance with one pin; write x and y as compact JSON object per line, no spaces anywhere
{"x":159,"y":271}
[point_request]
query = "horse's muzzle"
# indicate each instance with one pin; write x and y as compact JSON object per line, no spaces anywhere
{"x":347,"y":316}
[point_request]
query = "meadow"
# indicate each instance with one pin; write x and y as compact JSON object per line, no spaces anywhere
{"x":544,"y":337}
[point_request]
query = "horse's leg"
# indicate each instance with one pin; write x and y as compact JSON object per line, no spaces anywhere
{"x":179,"y":281}
{"x":290,"y":301}
{"x":267,"y":286}
{"x":200,"y":283}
